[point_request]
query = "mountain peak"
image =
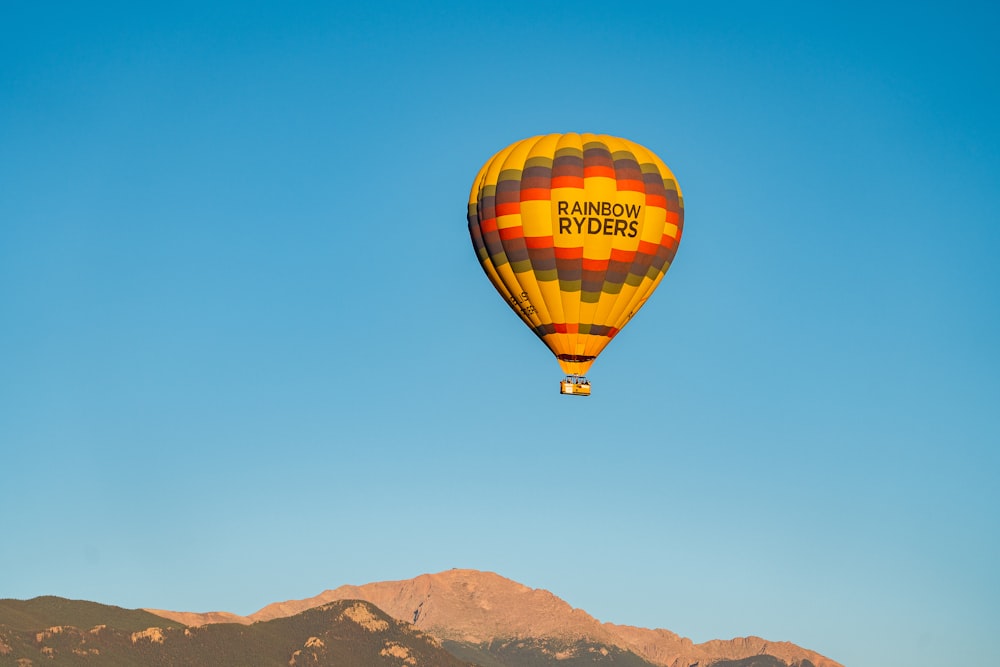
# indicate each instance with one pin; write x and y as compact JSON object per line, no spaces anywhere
{"x":461,"y":604}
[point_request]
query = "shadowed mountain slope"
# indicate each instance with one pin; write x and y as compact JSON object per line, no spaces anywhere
{"x":49,"y":611}
{"x":346,"y":632}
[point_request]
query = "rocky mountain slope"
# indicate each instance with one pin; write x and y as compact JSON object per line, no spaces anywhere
{"x":58,"y":633}
{"x":473,"y":611}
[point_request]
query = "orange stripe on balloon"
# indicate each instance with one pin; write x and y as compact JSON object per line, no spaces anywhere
{"x":598,"y":170}
{"x":509,"y":208}
{"x":622,"y":255}
{"x":656,"y":200}
{"x":631,"y":185}
{"x":535,"y":194}
{"x":536,"y":242}
{"x":647,"y":248}
{"x":569,"y":253}
{"x":508,"y":233}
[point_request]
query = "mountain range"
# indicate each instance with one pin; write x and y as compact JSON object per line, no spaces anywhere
{"x":456,"y":617}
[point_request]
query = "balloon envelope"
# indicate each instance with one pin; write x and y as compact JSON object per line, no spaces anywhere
{"x":575,"y":231}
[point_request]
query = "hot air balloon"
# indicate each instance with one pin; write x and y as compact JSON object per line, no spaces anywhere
{"x":575,"y":231}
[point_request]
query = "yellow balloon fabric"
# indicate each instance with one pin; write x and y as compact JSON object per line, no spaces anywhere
{"x":575,"y":231}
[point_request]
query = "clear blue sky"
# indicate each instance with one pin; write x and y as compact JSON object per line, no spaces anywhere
{"x":247,"y":353}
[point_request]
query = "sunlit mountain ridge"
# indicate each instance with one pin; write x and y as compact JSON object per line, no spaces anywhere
{"x":490,"y":613}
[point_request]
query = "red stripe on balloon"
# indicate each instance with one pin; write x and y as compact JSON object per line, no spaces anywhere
{"x":536,"y":242}
{"x":511,"y":208}
{"x":508,"y":233}
{"x":569,"y":253}
{"x":535,"y":194}
{"x":590,"y":171}
{"x":567,"y":181}
{"x":656,"y":200}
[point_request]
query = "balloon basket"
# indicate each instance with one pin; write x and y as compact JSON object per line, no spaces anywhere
{"x":575,"y":385}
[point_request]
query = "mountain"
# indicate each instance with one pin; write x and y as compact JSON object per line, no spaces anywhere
{"x":50,"y":611}
{"x":57,"y":633}
{"x":482,"y":616}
